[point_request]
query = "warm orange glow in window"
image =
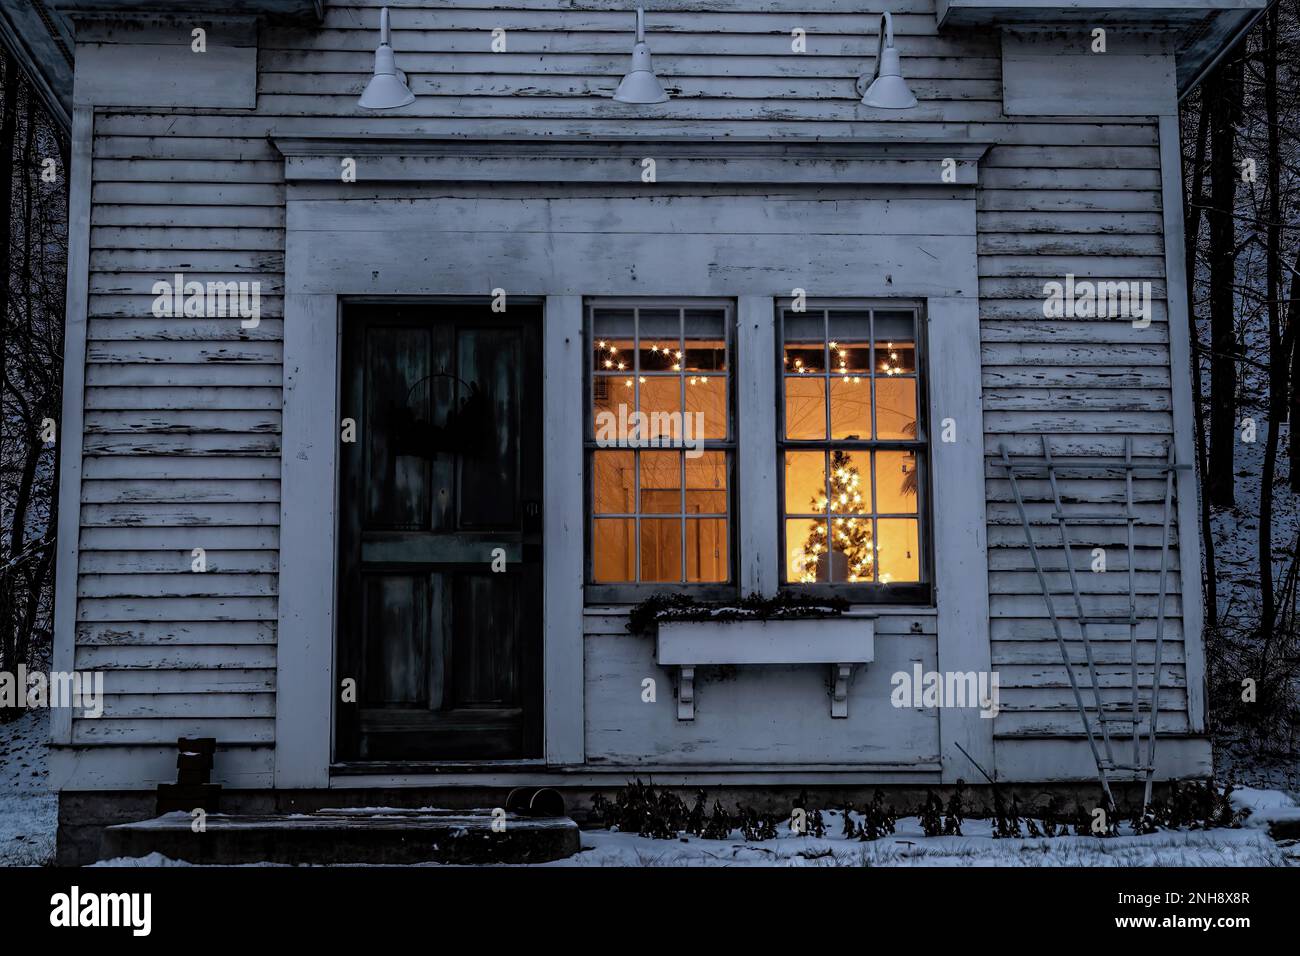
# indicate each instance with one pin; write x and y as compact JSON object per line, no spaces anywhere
{"x":850,"y":398}
{"x":659,"y":459}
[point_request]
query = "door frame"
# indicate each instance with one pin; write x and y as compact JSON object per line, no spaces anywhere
{"x":523,"y":317}
{"x":306,"y":689}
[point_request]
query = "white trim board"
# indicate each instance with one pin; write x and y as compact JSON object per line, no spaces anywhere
{"x":308,"y":527}
{"x":1183,"y":395}
{"x":676,"y":162}
{"x":961,"y":566}
{"x":563,"y":523}
{"x":70,"y":430}
{"x":678,"y":775}
{"x":757,"y":497}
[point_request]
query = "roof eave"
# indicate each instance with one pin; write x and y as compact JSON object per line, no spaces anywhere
{"x":41,"y":40}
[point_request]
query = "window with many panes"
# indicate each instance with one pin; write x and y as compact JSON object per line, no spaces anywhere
{"x":660,"y":435}
{"x":852,"y":443}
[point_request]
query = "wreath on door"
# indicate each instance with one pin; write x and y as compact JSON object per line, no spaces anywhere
{"x":467,"y":430}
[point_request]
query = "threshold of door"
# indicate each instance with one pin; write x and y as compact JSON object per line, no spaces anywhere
{"x":372,"y":767}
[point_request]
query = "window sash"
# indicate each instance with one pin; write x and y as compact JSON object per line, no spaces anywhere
{"x":633,"y":589}
{"x":875,"y":591}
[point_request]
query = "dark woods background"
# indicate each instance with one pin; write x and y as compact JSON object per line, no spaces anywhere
{"x":33,"y":263}
{"x":1241,"y":178}
{"x":1242,"y":192}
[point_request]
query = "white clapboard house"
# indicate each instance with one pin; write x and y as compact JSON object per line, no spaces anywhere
{"x":382,"y":412}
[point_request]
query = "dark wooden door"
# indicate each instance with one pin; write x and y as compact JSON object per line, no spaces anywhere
{"x":440,"y":574}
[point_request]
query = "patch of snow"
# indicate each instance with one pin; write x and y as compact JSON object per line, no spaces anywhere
{"x":28,"y":811}
{"x":1264,"y":806}
{"x":909,"y":846}
{"x":1249,"y":798}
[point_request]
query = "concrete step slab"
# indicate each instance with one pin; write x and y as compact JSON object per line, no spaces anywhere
{"x":380,"y":836}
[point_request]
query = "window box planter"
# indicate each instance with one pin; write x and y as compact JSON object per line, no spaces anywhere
{"x":842,"y":642}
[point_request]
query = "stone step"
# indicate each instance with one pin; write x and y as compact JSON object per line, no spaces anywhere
{"x":1285,"y":826}
{"x":377,"y":836}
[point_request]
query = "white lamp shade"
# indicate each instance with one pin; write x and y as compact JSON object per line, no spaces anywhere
{"x":385,"y":92}
{"x":889,"y":93}
{"x":387,"y":89}
{"x":641,"y":85}
{"x":887,"y":89}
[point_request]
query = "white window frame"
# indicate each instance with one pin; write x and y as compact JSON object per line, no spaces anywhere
{"x":623,"y":592}
{"x":912,"y":594}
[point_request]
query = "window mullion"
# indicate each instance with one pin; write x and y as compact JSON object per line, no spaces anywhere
{"x":681,"y":453}
{"x":636,"y":516}
{"x":757,"y":404}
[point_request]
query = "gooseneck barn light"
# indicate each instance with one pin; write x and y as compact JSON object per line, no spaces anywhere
{"x":641,"y":85}
{"x":885,"y":88}
{"x":387,"y":89}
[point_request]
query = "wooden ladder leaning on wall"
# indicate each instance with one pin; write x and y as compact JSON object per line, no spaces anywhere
{"x":1026,"y":466}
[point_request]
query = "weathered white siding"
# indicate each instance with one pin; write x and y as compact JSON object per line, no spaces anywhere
{"x":757,"y":717}
{"x":1093,"y":211}
{"x":181,"y":452}
{"x":182,"y":415}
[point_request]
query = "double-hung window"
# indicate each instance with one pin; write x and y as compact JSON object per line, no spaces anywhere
{"x":850,"y":489}
{"x":660,"y":436}
{"x":851,"y":437}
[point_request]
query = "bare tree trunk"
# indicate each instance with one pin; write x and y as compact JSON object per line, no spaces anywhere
{"x":8,"y":125}
{"x":1268,"y":613}
{"x":1294,"y":418}
{"x":29,"y":138}
{"x":1225,"y":91}
{"x":1280,"y":342}
{"x":1191,"y":242}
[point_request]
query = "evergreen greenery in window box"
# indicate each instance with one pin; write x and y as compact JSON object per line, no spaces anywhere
{"x":646,"y":616}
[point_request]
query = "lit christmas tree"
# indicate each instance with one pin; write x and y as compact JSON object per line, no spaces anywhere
{"x":850,"y":558}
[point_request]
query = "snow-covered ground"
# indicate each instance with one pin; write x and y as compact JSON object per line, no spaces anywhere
{"x":1236,"y":546}
{"x":1249,"y":845}
{"x":910,"y":847}
{"x":28,"y":812}
{"x":1245,"y":847}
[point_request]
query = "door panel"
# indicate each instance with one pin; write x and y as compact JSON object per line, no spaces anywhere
{"x":397,"y":620}
{"x":490,"y":482}
{"x":486,"y":612}
{"x":397,"y":483}
{"x":445,"y":650}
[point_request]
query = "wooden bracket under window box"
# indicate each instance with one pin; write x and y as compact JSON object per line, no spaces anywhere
{"x":840,"y":642}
